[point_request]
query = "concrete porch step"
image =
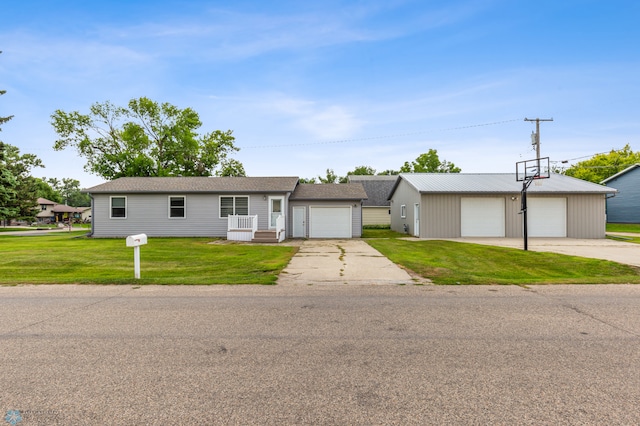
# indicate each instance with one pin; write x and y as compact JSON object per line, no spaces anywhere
{"x":265,"y":237}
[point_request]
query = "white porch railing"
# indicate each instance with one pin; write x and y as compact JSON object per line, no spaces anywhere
{"x":280,"y":230}
{"x":241,"y":228}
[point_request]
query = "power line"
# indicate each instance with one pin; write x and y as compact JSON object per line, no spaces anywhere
{"x":383,"y":136}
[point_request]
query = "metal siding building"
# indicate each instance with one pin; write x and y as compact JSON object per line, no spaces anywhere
{"x":625,"y":206}
{"x":442,"y":198}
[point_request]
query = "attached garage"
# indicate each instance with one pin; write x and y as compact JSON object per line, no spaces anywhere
{"x":326,"y":211}
{"x":546,"y":217}
{"x":482,"y":217}
{"x":329,"y":222}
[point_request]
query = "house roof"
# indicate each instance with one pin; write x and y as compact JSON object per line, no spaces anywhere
{"x":377,"y":188}
{"x":62,"y":208}
{"x":497,"y":183}
{"x":44,"y":201}
{"x":196,"y":184}
{"x":617,"y":175}
{"x":338,"y":191}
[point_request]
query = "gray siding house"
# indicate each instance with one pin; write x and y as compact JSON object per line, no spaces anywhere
{"x":453,"y":205}
{"x":376,"y":208}
{"x":625,"y":206}
{"x":222,"y":206}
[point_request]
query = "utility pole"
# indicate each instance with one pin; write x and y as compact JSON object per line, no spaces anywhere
{"x":537,"y":134}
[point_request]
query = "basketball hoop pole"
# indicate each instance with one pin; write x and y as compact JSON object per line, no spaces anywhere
{"x":523,"y":196}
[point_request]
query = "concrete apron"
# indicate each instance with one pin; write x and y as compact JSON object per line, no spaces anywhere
{"x":606,"y":249}
{"x":342,"y":262}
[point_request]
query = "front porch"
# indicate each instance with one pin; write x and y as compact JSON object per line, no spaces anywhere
{"x":245,"y":228}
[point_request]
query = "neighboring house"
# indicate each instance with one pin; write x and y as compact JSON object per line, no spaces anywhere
{"x":45,"y":215}
{"x":452,"y":205}
{"x":239,"y":208}
{"x":625,"y":206}
{"x":376,"y":208}
{"x":51,"y":212}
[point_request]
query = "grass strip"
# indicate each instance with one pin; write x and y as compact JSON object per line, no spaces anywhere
{"x":448,"y":262}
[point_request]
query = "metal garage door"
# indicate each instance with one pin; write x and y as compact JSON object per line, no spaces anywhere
{"x":330,"y":222}
{"x":482,"y":217}
{"x":547,"y":217}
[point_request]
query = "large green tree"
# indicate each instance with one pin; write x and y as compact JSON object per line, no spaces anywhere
{"x":68,"y":191}
{"x":601,"y":166}
{"x":429,"y":162}
{"x":146,"y":138}
{"x":8,"y":181}
{"x":362,"y":171}
{"x":25,"y":203}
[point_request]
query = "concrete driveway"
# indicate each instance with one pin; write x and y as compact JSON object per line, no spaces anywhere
{"x":342,"y":262}
{"x":614,"y":250}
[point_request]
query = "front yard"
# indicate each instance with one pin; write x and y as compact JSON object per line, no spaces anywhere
{"x":71,"y":258}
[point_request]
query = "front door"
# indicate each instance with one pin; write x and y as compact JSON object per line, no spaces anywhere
{"x":299,"y":219}
{"x":276,"y":208}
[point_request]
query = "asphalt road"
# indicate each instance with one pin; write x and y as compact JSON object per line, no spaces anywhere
{"x":353,"y":355}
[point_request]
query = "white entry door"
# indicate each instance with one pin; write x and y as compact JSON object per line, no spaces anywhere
{"x":276,"y":208}
{"x":299,"y":221}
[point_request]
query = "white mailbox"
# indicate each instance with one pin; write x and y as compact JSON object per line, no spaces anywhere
{"x":136,"y":240}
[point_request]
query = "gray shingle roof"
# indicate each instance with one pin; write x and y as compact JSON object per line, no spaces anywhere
{"x":196,"y":184}
{"x":497,"y":183}
{"x":329,"y":191}
{"x":377,"y":188}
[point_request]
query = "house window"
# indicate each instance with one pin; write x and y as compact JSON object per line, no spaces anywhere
{"x":118,"y":207}
{"x":234,"y":206}
{"x":178,"y":207}
{"x":403,"y":211}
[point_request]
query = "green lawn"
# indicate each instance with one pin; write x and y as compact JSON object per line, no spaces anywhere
{"x":447,"y":262}
{"x":623,"y":227}
{"x":72,"y":258}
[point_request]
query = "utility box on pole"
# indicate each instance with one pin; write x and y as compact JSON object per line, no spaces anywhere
{"x":136,"y":241}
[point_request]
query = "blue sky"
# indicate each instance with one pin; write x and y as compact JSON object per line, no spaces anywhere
{"x":307,"y":86}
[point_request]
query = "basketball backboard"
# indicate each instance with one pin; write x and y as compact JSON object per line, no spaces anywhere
{"x":533,"y":169}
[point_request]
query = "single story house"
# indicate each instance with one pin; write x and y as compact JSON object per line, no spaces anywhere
{"x":625,"y":206}
{"x":453,"y":205}
{"x":376,"y":208}
{"x":240,"y":208}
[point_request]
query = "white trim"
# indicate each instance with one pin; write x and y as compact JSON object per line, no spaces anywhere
{"x":184,"y":197}
{"x":403,"y":211}
{"x":126,"y":207}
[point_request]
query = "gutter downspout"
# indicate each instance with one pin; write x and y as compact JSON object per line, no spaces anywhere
{"x":90,"y":234}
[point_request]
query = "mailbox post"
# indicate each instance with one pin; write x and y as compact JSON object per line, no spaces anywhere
{"x":136,"y":241}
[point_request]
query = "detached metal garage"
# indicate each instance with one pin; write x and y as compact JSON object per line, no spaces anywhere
{"x":453,"y":205}
{"x":326,"y":211}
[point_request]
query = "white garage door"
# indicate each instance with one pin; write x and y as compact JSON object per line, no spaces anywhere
{"x":482,"y":217}
{"x":330,"y":222}
{"x":547,"y":217}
